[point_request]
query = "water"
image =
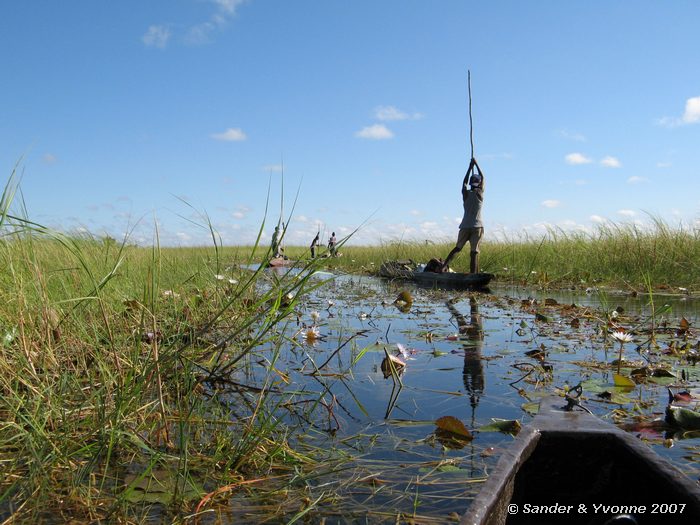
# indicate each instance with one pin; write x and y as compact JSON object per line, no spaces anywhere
{"x":467,"y":359}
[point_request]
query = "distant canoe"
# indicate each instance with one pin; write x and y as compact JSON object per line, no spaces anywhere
{"x":408,"y":270}
{"x":563,"y":463}
{"x":276,"y":262}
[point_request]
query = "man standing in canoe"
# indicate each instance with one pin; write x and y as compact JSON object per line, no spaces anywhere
{"x":471,"y":228}
{"x":314,"y":243}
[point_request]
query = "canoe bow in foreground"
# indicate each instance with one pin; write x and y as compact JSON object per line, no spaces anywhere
{"x":565,"y":463}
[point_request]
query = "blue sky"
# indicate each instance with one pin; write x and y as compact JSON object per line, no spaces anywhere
{"x":121,"y":112}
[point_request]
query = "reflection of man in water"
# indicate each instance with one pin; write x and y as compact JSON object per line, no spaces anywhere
{"x":472,"y":337}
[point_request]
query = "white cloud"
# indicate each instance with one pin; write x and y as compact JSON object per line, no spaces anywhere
{"x":577,"y":158}
{"x":225,"y":10}
{"x":636,"y":180}
{"x":691,"y":115}
{"x":598,"y":219}
{"x":156,"y":36}
{"x":580,"y":182}
{"x":610,"y":162}
{"x":393,"y":113}
{"x":627,"y":213}
{"x":692,"y":111}
{"x":551,"y":203}
{"x":375,"y":132}
{"x":230,"y":135}
{"x":49,"y":158}
{"x":578,"y":137}
{"x":663,"y":165}
{"x":415,"y":213}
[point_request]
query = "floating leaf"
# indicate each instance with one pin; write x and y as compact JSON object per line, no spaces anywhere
{"x":532,"y":407}
{"x":623,"y":381}
{"x":454,"y":426}
{"x":683,"y":418}
{"x":575,"y":323}
{"x":507,"y":426}
{"x":543,"y":318}
{"x":685,"y":325}
{"x":550,"y":302}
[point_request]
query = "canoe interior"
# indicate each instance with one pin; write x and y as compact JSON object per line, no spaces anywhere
{"x":573,"y":458}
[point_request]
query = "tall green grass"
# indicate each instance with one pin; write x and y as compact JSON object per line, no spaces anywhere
{"x":621,"y":255}
{"x":117,"y":365}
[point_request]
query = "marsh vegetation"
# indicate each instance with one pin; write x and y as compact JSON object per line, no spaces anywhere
{"x":192,"y":385}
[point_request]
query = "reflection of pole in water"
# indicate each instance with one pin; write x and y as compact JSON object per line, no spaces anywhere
{"x":472,"y":336}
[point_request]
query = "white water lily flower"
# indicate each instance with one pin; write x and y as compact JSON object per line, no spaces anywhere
{"x":315,"y":316}
{"x":233,"y":281}
{"x":621,"y":336}
{"x":311,"y":334}
{"x":330,"y":303}
{"x":219,"y":277}
{"x":405,"y":352}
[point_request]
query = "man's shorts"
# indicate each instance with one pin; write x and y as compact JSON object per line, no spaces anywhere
{"x":473,"y":236}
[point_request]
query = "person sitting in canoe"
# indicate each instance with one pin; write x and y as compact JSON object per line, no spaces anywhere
{"x":471,"y":228}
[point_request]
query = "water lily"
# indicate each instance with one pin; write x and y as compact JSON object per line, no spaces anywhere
{"x":623,"y":338}
{"x":330,"y":303}
{"x":232,"y":281}
{"x":219,"y":277}
{"x":315,"y":316}
{"x":405,"y":352}
{"x":311,"y":334}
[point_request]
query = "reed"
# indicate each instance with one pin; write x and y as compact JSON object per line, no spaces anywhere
{"x":121,"y":385}
{"x":619,"y":255}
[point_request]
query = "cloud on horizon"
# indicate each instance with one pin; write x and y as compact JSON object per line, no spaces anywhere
{"x":551,"y":203}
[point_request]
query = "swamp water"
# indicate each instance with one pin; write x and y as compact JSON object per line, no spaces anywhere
{"x":472,"y":356}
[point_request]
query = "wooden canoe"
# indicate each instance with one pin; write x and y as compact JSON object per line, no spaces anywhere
{"x":408,"y":270}
{"x":565,"y":462}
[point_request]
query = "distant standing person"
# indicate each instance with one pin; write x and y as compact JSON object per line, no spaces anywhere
{"x":314,"y":243}
{"x":471,"y":228}
{"x":276,"y":242}
{"x":331,"y":245}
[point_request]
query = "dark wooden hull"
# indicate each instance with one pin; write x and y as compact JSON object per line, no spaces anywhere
{"x":406,"y":270}
{"x":572,"y":459}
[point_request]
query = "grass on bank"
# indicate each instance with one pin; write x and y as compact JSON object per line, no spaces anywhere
{"x":622,"y":255}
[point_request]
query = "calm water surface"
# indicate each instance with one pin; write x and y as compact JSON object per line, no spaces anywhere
{"x":467,"y":360}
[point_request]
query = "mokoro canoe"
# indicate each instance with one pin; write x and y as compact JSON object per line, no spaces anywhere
{"x":571,"y":467}
{"x":276,"y":262}
{"x":408,"y":270}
